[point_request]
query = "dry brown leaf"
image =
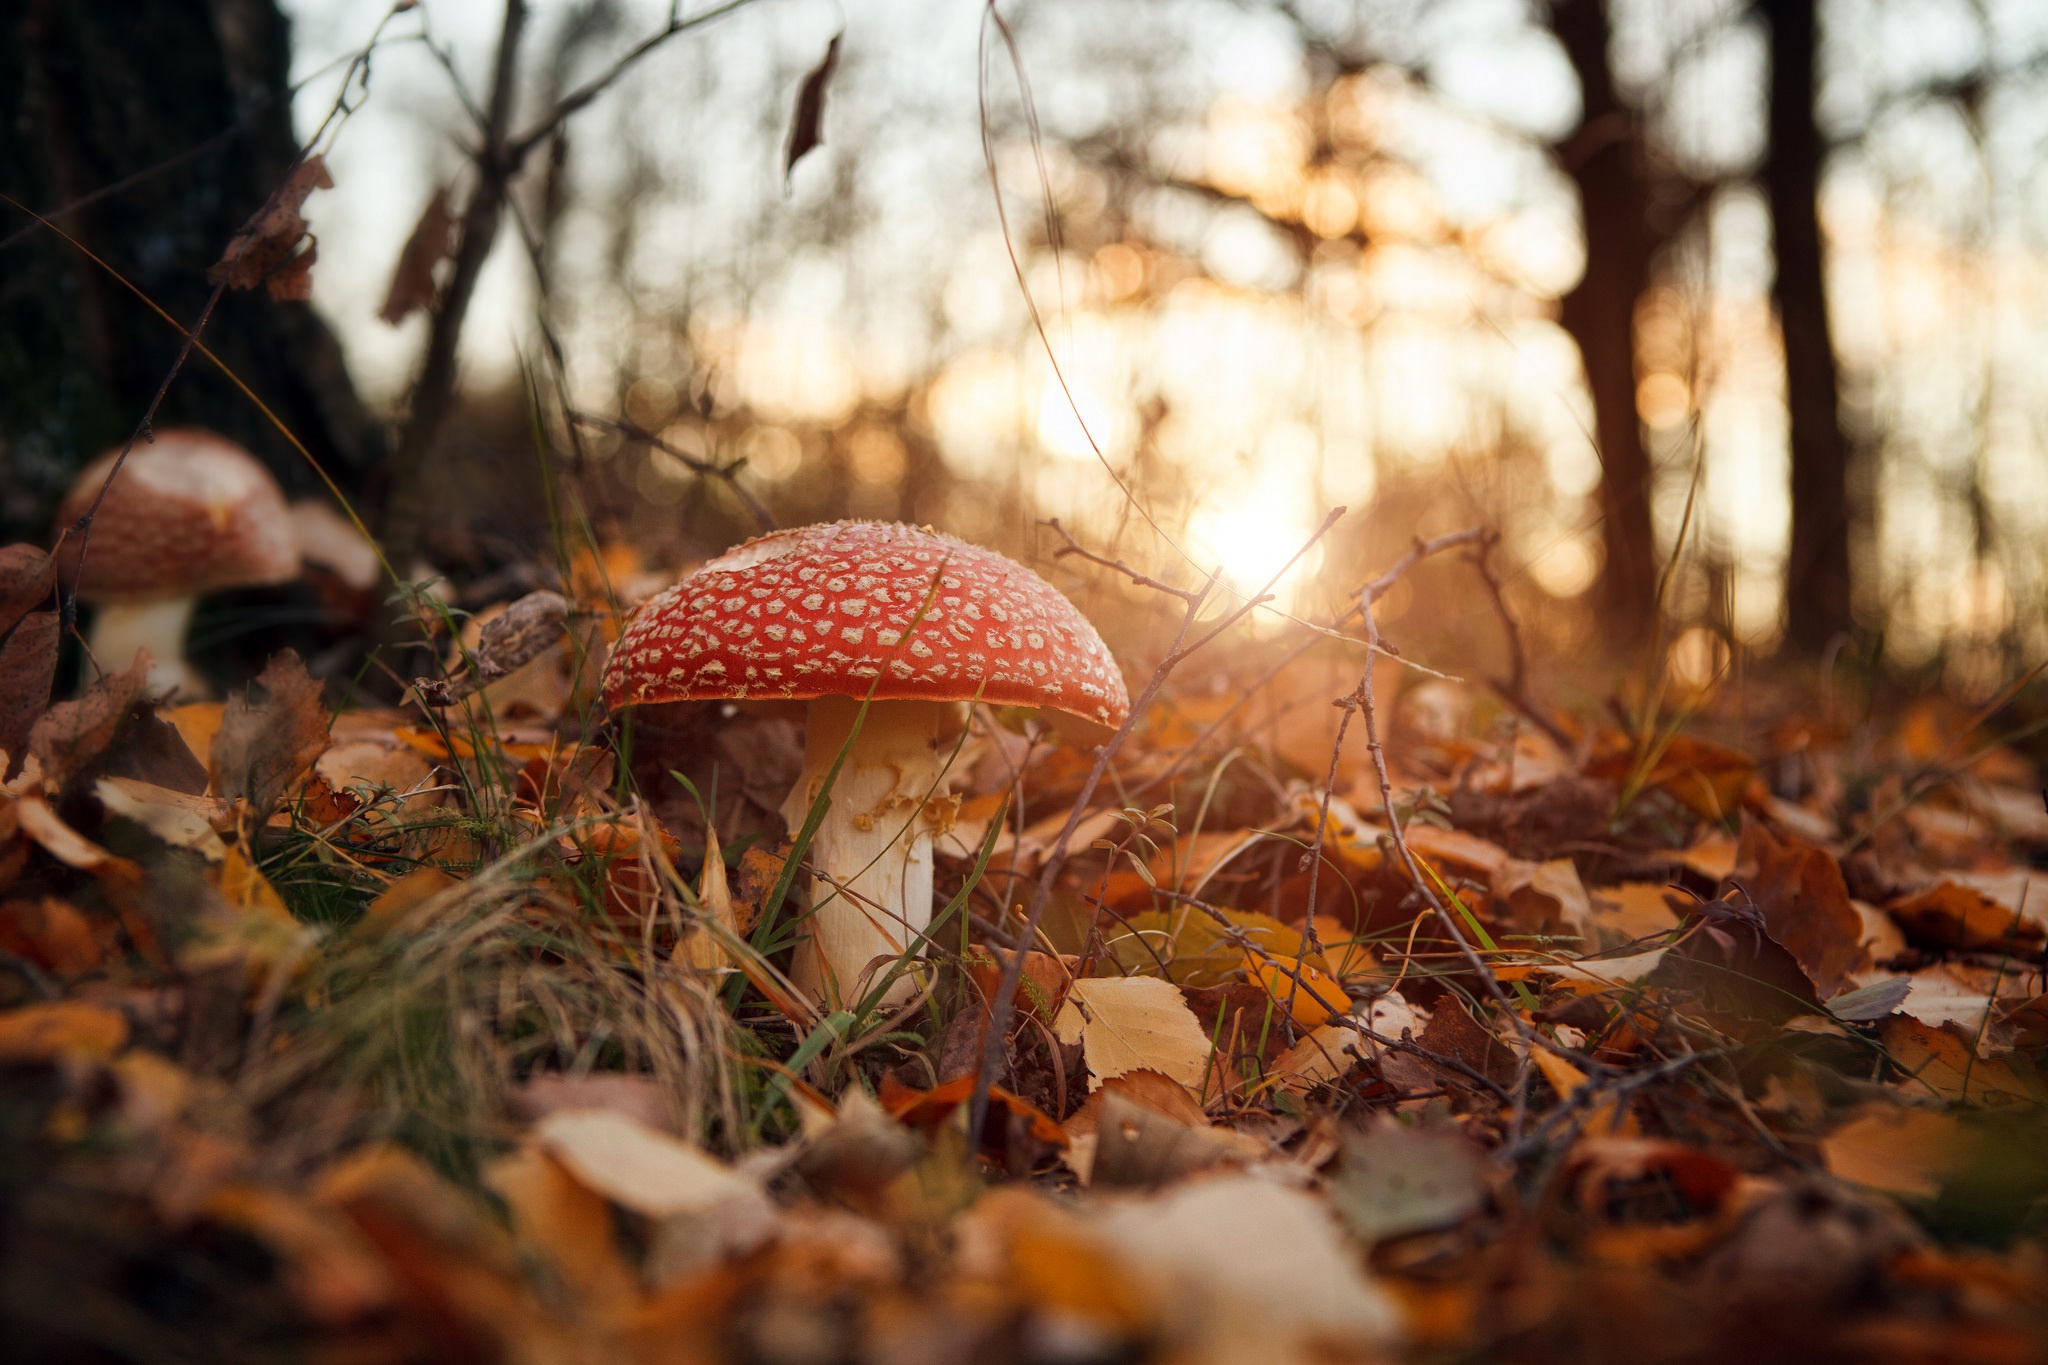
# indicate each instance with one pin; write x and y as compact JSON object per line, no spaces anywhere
{"x":61,"y":1030}
{"x":52,"y":934}
{"x":28,"y":575}
{"x":1133,"y":1023}
{"x":1798,"y":887}
{"x":1898,"y":1150}
{"x":179,"y":819}
{"x":73,"y":736}
{"x":806,"y":125}
{"x":262,"y":253}
{"x":638,"y":1167}
{"x":1950,"y":916}
{"x":1247,"y":1269}
{"x":1542,"y":898}
{"x":703,"y":947}
{"x":332,"y":1271}
{"x":1328,"y":1053}
{"x":264,"y":746}
{"x":1310,"y":996}
{"x":569,"y":1224}
{"x":28,"y":666}
{"x":1633,"y":910}
{"x":59,"y":840}
{"x":398,"y":900}
{"x":1936,"y":1061}
{"x":412,"y":279}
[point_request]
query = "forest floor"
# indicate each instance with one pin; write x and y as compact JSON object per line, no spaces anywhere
{"x":462,"y":1030}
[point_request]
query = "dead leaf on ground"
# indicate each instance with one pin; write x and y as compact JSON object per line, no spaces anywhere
{"x":28,"y":575}
{"x":1952,"y":916}
{"x":638,"y":1167}
{"x":61,"y":1030}
{"x":1894,"y":1149}
{"x":1133,"y":1023}
{"x":567,"y":1222}
{"x":1798,"y":888}
{"x":1248,"y":1269}
{"x":264,"y":746}
{"x":73,"y":736}
{"x":28,"y":666}
{"x":1633,"y":910}
{"x":1936,"y":1062}
{"x":1395,"y":1180}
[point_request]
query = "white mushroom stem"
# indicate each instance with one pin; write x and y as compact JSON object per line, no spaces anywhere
{"x":872,"y":895}
{"x":157,"y":625}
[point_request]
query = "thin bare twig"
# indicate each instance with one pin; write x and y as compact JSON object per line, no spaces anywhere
{"x":1004,"y":1005}
{"x":1514,"y":689}
{"x":727,"y":473}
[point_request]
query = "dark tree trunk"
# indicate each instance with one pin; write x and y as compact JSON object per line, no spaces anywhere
{"x":1604,"y":158}
{"x":1817,"y":573}
{"x":189,"y":98}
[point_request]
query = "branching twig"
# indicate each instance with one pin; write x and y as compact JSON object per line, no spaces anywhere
{"x":1004,"y":1004}
{"x":1514,"y":689}
{"x":727,"y":473}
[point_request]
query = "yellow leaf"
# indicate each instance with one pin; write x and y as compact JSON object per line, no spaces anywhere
{"x":1900,"y":1151}
{"x":1133,"y":1023}
{"x":638,"y":1167}
{"x":61,"y":1029}
{"x":1311,"y":996}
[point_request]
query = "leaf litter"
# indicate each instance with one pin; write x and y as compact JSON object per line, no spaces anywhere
{"x":464,"y":1030}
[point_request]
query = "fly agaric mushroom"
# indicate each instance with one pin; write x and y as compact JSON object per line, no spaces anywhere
{"x":915,"y":621}
{"x":189,"y":514}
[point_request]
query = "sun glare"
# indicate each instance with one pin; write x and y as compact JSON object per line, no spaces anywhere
{"x":1252,"y":536}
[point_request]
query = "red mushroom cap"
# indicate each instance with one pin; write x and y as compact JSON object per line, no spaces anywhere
{"x":828,"y":611}
{"x":191,"y":513}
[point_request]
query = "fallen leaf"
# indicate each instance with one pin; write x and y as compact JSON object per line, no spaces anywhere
{"x":412,"y":279}
{"x":28,"y":666}
{"x":52,"y":934}
{"x":61,"y":1030}
{"x":1633,"y":910}
{"x":73,"y":736}
{"x":1798,"y":888}
{"x":330,"y":1269}
{"x":176,"y":818}
{"x":1873,"y":1001}
{"x":1894,"y":1149}
{"x":638,"y":1167}
{"x":1935,"y":1061}
{"x":1395,"y":1180}
{"x":1133,"y":1023}
{"x":1949,"y":916}
{"x":703,"y":947}
{"x":28,"y":575}
{"x":1246,"y":1269}
{"x":264,"y":746}
{"x":1542,"y":898}
{"x":569,"y":1223}
{"x":1310,"y":996}
{"x":1328,"y":1053}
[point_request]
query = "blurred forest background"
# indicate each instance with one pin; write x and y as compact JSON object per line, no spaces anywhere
{"x":1743,"y":300}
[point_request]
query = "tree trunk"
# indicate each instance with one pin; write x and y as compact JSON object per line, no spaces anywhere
{"x":1817,"y":585}
{"x":1604,"y":158}
{"x":190,"y":99}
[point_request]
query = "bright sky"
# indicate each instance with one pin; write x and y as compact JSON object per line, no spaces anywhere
{"x":1286,"y":391}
